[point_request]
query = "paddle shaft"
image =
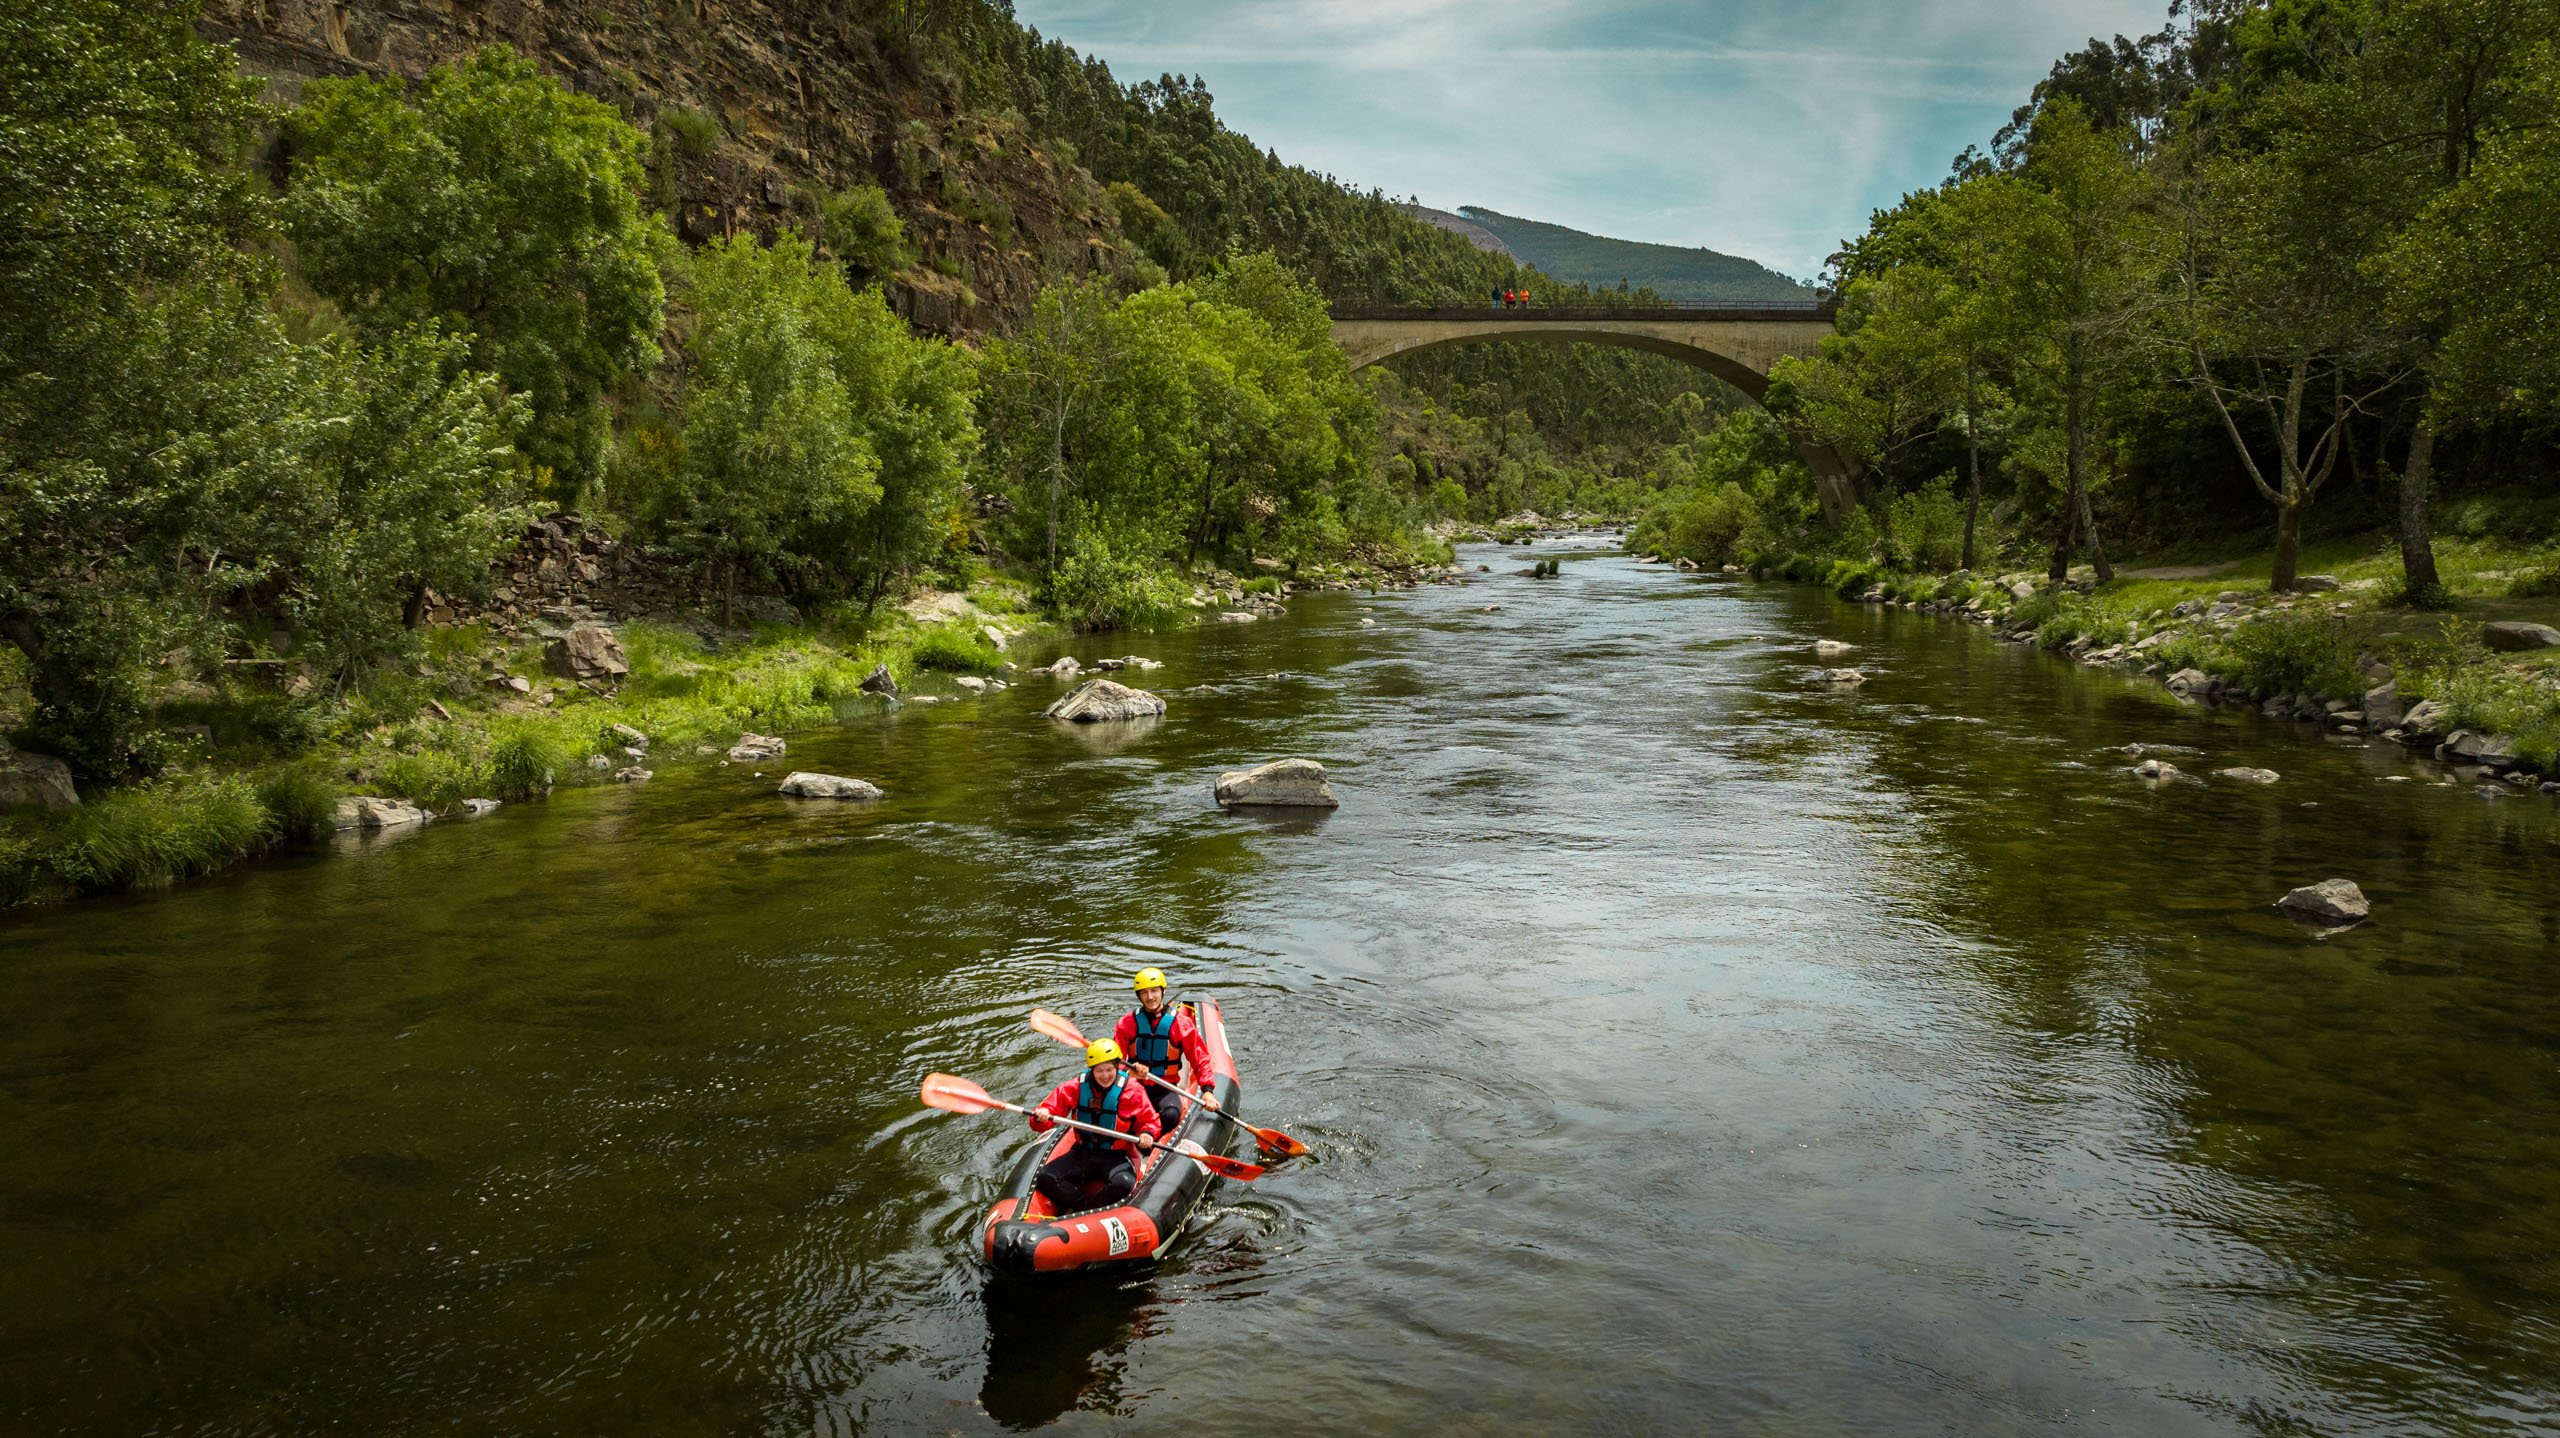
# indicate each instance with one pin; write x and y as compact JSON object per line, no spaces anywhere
{"x":1110,"y":1133}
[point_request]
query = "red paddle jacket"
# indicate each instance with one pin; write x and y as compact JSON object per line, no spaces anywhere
{"x":1186,"y":1043}
{"x":1137,"y":1111}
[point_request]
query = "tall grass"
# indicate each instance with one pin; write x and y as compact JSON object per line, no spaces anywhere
{"x":953,"y":648}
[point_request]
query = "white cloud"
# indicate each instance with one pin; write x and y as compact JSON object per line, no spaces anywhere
{"x":1760,"y":127}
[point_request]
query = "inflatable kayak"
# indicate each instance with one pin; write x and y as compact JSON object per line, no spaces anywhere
{"x":1022,"y":1235}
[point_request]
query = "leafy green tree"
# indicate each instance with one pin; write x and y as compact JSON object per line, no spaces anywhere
{"x":774,"y":463}
{"x":863,"y":229}
{"x":500,"y":206}
{"x":1881,"y":386}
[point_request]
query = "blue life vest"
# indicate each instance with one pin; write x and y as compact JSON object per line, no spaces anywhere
{"x":1102,"y":1111}
{"x":1152,"y":1049}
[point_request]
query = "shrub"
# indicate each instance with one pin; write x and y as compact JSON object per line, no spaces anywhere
{"x":2296,"y":654}
{"x":952,"y":648}
{"x":693,"y":131}
{"x":300,"y":802}
{"x":527,"y":759}
{"x":1928,"y":526}
{"x":864,"y":231}
{"x":154,"y":835}
{"x":1850,"y":578}
{"x":1098,"y":589}
{"x":1270,"y":583}
{"x":433,"y":781}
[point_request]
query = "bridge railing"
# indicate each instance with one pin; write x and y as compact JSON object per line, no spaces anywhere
{"x":1687,"y":310}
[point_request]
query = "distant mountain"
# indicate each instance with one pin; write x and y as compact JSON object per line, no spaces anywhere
{"x":1668,"y":270}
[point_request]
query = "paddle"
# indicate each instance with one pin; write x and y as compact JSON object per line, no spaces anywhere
{"x":958,"y":1095}
{"x":1271,"y":1139}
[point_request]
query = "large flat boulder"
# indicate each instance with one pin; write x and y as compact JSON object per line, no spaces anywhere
{"x":754,"y":748}
{"x":801,"y":784}
{"x":1282,"y":783}
{"x":365,"y":811}
{"x":587,"y":652}
{"x":38,"y":779}
{"x":2331,"y":901}
{"x":2516,"y":635}
{"x":1102,"y":700}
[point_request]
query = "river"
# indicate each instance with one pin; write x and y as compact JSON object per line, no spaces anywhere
{"x":1686,"y":1047}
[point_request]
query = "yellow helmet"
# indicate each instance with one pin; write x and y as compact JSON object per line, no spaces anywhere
{"x":1148,"y":979}
{"x":1100,"y":1052}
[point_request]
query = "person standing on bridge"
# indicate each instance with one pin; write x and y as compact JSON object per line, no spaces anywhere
{"x":1497,"y":296}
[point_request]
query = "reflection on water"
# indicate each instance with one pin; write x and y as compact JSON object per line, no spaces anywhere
{"x":1687,"y":1047}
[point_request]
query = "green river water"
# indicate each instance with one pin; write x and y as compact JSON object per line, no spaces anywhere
{"x":1687,"y":1048}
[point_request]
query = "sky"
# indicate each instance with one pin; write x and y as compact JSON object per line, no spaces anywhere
{"x":1766,"y":128}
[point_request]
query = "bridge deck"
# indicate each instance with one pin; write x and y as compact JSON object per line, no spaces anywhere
{"x":1585,"y":314}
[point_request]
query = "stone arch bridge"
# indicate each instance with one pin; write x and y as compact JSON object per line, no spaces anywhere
{"x":1736,"y":344}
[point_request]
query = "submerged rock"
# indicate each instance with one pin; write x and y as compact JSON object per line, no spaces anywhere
{"x":751,"y":748}
{"x":1841,"y":676}
{"x":364,"y":811}
{"x":2331,"y":901}
{"x":2156,"y":769}
{"x":474,"y":808}
{"x":632,"y":775}
{"x":1237,"y":616}
{"x":1290,"y":783}
{"x":1831,"y":648}
{"x":800,"y":784}
{"x":1099,"y":700}
{"x":2249,"y":776}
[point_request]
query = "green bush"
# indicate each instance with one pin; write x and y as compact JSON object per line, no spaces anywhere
{"x":1850,"y":578}
{"x":1097,"y":587}
{"x":433,"y":781}
{"x":1270,"y":583}
{"x":1928,"y":527}
{"x":300,"y":802}
{"x":153,"y":835}
{"x":695,"y":132}
{"x":2296,"y":654}
{"x":864,"y":231}
{"x":952,"y":648}
{"x":528,"y":759}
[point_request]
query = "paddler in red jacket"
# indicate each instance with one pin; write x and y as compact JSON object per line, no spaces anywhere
{"x":1160,"y":1038}
{"x":1108,"y":1096}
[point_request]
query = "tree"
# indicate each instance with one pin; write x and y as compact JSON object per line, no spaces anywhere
{"x":500,"y":206}
{"x":774,"y":461}
{"x":1881,"y":385}
{"x":2274,"y":317}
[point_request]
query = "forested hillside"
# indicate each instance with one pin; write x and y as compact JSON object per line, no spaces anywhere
{"x":1671,"y":271}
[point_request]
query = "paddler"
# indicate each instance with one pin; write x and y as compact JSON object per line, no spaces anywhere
{"x":1158,"y":1038}
{"x":1108,"y":1096}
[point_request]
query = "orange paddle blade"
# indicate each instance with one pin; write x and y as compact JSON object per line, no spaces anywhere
{"x":1057,"y":1027}
{"x":1218,"y":1163}
{"x":1274,"y":1141}
{"x":956,"y":1094}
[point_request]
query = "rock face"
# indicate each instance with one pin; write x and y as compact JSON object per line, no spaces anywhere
{"x":800,"y":784}
{"x":1098,"y":700}
{"x":753,"y":748}
{"x":38,"y":779}
{"x":364,"y":811}
{"x":880,"y":681}
{"x":2514,"y":635}
{"x":587,"y":652}
{"x":2249,"y":776}
{"x":1293,"y":783}
{"x":2331,"y":901}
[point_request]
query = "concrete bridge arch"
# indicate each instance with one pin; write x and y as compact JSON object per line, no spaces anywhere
{"x":1736,"y":345}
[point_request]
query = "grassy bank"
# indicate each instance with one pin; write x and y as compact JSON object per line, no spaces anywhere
{"x":2164,"y":615}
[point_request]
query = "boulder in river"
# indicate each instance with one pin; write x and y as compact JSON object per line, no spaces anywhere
{"x":1831,"y":648}
{"x":754,"y":748}
{"x":2156,"y":769}
{"x":1288,"y":783}
{"x":2331,"y":901}
{"x":38,"y":779}
{"x":1101,"y":700}
{"x":587,"y":652}
{"x":801,"y":784}
{"x":1065,"y":667}
{"x":972,"y":683}
{"x":880,"y":681}
{"x":1841,"y":676}
{"x":2423,"y":723}
{"x":365,"y":811}
{"x":2249,"y":776}
{"x":1237,"y":616}
{"x":2382,"y":706}
{"x":2190,"y":681}
{"x":2516,"y":635}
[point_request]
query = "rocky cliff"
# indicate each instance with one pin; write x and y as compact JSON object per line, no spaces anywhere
{"x":806,"y":103}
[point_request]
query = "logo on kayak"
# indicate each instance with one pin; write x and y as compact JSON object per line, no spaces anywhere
{"x":1119,"y":1233}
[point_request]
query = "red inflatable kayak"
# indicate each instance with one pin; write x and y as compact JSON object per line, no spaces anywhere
{"x":1023,"y":1235}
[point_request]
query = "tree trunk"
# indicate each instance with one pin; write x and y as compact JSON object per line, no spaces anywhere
{"x":1973,"y":462}
{"x":2079,"y":467}
{"x":2288,"y":544}
{"x":52,"y":684}
{"x":414,"y":611}
{"x":2064,"y":534}
{"x":2417,"y":553}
